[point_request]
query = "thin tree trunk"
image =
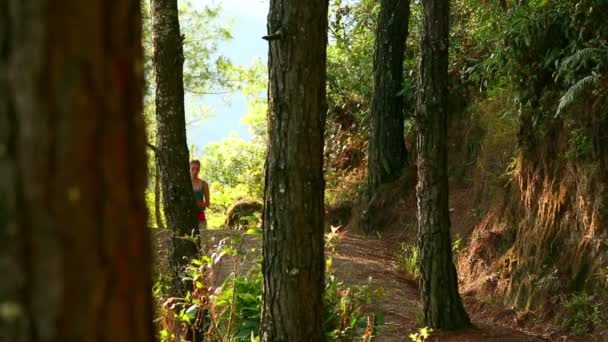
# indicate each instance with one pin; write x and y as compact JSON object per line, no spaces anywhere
{"x":12,"y":269}
{"x":74,"y":257}
{"x":441,"y":301}
{"x":177,"y":194}
{"x":293,"y":263}
{"x":387,"y":153}
{"x":157,"y":197}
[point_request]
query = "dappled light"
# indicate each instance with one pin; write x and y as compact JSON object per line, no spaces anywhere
{"x":319,"y":170}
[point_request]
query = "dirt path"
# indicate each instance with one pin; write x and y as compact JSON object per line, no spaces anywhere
{"x":359,"y":257}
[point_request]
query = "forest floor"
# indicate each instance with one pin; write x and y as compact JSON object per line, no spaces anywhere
{"x":357,"y":257}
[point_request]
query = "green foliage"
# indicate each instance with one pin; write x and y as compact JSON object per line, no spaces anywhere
{"x":201,"y":309}
{"x":409,"y":259}
{"x":350,"y":56}
{"x":351,"y":310}
{"x":350,"y":52}
{"x":456,"y":244}
{"x":205,"y":73}
{"x":589,"y":61}
{"x":579,"y":59}
{"x":233,"y":167}
{"x":582,"y":313}
{"x":575,"y":92}
{"x":579,"y":145}
{"x":349,"y":88}
{"x":232,"y":312}
{"x":541,"y":47}
{"x":253,"y":223}
{"x":240,"y":298}
{"x":257,"y":104}
{"x":232,"y":162}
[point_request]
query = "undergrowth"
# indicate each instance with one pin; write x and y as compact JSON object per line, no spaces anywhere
{"x":232,"y":311}
{"x":583,"y":312}
{"x":408,"y":257}
{"x":351,"y":310}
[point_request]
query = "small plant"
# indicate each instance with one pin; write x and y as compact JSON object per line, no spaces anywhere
{"x":582,"y":313}
{"x":332,"y":238}
{"x":238,"y":306}
{"x":409,"y":259}
{"x":511,"y":170}
{"x":549,"y":280}
{"x":421,"y":335}
{"x":456,"y":244}
{"x":351,"y":310}
{"x":579,"y":145}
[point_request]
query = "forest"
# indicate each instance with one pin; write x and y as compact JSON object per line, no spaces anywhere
{"x":416,"y":170}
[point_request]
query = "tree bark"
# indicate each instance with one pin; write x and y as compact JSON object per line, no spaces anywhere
{"x":441,"y":301}
{"x":157,"y":197}
{"x":293,"y":263}
{"x":12,"y":270}
{"x":173,"y":157}
{"x":387,"y":153}
{"x":74,"y":256}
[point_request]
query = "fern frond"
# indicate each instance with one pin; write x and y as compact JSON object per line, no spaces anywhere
{"x":575,"y":92}
{"x":578,"y":58}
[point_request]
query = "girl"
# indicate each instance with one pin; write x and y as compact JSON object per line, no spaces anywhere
{"x":201,"y":193}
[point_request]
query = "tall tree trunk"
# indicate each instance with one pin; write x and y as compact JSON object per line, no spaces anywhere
{"x":177,"y":194}
{"x":74,"y":257}
{"x":293,"y":265}
{"x":12,"y":270}
{"x":387,"y":153}
{"x":438,"y":283}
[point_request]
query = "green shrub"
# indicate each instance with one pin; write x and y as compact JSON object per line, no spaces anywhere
{"x":351,"y":310}
{"x":582,"y":312}
{"x":579,"y":145}
{"x":409,"y":259}
{"x":239,"y":305}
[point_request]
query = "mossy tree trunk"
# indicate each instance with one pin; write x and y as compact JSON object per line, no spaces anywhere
{"x":74,"y":246}
{"x":293,"y":263}
{"x":441,"y":301}
{"x":173,"y":159}
{"x":387,"y":152}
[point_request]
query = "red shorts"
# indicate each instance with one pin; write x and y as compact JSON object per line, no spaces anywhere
{"x":201,"y":216}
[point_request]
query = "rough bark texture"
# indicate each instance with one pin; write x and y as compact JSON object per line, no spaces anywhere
{"x":177,"y":194}
{"x":293,"y":265}
{"x":441,"y":301}
{"x":74,"y":247}
{"x":387,"y":153}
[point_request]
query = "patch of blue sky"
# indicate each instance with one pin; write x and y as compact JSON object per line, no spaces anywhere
{"x":224,"y":112}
